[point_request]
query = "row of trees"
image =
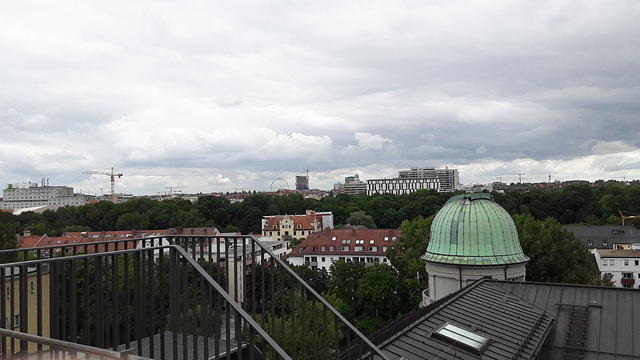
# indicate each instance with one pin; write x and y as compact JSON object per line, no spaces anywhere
{"x":574,"y":204}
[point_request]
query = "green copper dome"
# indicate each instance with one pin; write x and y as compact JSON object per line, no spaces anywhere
{"x":472,"y":229}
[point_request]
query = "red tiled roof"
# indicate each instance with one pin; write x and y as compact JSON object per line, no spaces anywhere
{"x":101,"y":237}
{"x":367,"y":238}
{"x":30,"y":241}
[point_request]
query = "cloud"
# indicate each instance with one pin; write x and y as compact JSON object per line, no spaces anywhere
{"x":226,"y":95}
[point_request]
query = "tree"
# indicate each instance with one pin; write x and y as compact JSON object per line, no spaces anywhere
{"x":406,"y":255}
{"x":361,"y":218}
{"x":556,"y":256}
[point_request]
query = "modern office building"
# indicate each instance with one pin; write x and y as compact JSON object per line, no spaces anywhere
{"x":417,"y":178}
{"x":32,"y":195}
{"x":354,"y":186}
{"x":448,"y":179}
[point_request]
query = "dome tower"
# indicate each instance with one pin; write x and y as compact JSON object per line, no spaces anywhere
{"x":471,"y":237}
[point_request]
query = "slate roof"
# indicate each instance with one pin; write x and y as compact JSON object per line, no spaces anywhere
{"x":551,"y":321}
{"x":471,"y":229}
{"x":613,"y":324}
{"x":516,"y":329}
{"x":593,"y":236}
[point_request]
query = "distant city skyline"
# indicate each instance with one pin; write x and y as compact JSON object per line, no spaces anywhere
{"x":208,"y":96}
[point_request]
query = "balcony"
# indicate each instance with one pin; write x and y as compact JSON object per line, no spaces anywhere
{"x":627,"y":281}
{"x":152,"y":299}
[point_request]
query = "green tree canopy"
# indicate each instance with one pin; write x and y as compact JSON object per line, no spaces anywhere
{"x":361,"y":218}
{"x":556,"y":256}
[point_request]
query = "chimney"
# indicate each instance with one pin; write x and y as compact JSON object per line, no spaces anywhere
{"x":27,"y":232}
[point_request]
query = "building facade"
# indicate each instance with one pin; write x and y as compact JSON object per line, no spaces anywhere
{"x":354,"y":186}
{"x":448,"y":179}
{"x":623,"y":266}
{"x":286,"y":227}
{"x":31,"y":195}
{"x":414,"y":179}
{"x":321,"y":249}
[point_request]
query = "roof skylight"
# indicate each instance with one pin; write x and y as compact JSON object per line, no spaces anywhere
{"x":461,"y":337}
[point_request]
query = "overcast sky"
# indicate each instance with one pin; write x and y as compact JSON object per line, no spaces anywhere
{"x":218,"y":95}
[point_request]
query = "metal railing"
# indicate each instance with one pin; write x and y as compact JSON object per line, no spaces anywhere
{"x":203,"y":294}
{"x":62,"y":350}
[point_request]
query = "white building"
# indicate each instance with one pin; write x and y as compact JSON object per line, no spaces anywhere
{"x":354,"y":186}
{"x":321,"y":249}
{"x":622,"y":265}
{"x":448,"y":179}
{"x":31,"y":195}
{"x":417,"y":178}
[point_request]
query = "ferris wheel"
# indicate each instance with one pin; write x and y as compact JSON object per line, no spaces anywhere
{"x":279,"y":184}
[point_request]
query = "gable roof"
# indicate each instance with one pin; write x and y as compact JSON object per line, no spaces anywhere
{"x":372,"y":241}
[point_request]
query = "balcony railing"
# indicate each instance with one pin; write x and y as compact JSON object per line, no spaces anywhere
{"x":185,"y":296}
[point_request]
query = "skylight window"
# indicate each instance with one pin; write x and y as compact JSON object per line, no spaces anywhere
{"x":461,"y":337}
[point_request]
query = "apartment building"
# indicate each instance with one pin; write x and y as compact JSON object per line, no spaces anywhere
{"x":622,"y":265}
{"x":321,"y":249}
{"x":285,"y":227}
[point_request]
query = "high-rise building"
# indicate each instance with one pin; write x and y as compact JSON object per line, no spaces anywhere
{"x":353,"y":185}
{"x":302,"y":183}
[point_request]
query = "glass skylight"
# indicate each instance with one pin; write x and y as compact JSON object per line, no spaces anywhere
{"x":462,"y":337}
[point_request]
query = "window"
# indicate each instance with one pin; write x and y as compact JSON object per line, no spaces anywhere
{"x":323,"y":259}
{"x":384,"y":248}
{"x":589,"y":242}
{"x":357,"y":248}
{"x":16,"y":321}
{"x":627,"y":275}
{"x":605,"y":243}
{"x":373,"y":248}
{"x":612,"y":262}
{"x":323,"y":248}
{"x":461,"y":337}
{"x":371,"y":241}
{"x":636,"y":262}
{"x":346,"y":241}
{"x":386,"y":238}
{"x":604,"y":262}
{"x":333,"y":238}
{"x":300,"y":250}
{"x":332,"y":248}
{"x":359,"y":241}
{"x":344,"y":248}
{"x":313,"y":248}
{"x":626,"y":262}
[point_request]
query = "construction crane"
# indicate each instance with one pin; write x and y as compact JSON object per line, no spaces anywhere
{"x":113,"y":180}
{"x":171,"y":189}
{"x":627,"y":217}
